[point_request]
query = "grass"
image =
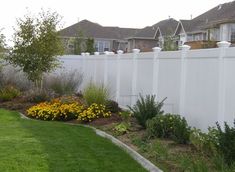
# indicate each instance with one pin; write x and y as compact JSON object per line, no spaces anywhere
{"x":27,"y":145}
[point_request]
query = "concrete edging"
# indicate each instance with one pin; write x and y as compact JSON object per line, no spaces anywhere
{"x":140,"y":159}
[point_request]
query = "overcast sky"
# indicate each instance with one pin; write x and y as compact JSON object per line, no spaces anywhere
{"x":122,"y":13}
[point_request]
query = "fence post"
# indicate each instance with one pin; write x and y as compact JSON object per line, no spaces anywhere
{"x":221,"y":89}
{"x":84,"y":65}
{"x":184,"y":50}
{"x":155,"y":78}
{"x":106,"y":68}
{"x":119,"y":52}
{"x":95,"y":67}
{"x":134,"y":76}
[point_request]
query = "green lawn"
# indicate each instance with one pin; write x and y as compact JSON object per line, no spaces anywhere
{"x":34,"y":146}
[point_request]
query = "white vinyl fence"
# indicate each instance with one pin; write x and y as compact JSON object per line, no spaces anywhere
{"x":198,"y":84}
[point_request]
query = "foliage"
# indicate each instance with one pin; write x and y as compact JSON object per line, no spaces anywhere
{"x":8,"y":93}
{"x":205,"y":142}
{"x":112,"y":106}
{"x":66,"y":83}
{"x":57,"y":109}
{"x":2,"y":49}
{"x":93,"y":112}
{"x":169,"y":126}
{"x":79,"y":42}
{"x":122,"y":128}
{"x":169,"y":44}
{"x":37,"y":95}
{"x":93,"y":93}
{"x":226,"y":142}
{"x":146,"y":108}
{"x":15,"y":78}
{"x":90,"y":45}
{"x":2,"y":46}
{"x":36,"y":45}
{"x":125,"y":115}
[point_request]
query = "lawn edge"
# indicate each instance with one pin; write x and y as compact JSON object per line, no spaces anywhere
{"x":136,"y":156}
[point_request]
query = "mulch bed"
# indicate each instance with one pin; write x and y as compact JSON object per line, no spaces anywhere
{"x":19,"y":104}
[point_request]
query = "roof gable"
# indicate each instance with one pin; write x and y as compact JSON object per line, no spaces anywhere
{"x":90,"y":29}
{"x":165,"y":27}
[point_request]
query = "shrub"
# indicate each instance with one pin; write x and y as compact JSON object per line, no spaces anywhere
{"x":146,"y":108}
{"x":122,"y":128}
{"x":226,"y":142}
{"x":98,"y":94}
{"x":38,"y":95}
{"x":8,"y":93}
{"x":93,"y":112}
{"x":66,"y":83}
{"x":15,"y":78}
{"x":57,"y":109}
{"x":112,"y":106}
{"x":169,"y":126}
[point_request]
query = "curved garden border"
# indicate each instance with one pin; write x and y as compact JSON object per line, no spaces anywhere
{"x":140,"y":159}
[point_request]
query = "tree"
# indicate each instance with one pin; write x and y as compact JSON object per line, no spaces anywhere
{"x":90,"y":45}
{"x":37,"y":45}
{"x":2,"y":48}
{"x":169,"y":44}
{"x":79,"y":43}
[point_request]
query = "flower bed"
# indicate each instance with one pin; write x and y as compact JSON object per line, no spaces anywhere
{"x":68,"y":108}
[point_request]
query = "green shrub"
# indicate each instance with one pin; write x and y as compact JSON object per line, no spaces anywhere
{"x":226,"y":142}
{"x":8,"y":93}
{"x":122,"y":128}
{"x":66,"y":83}
{"x":93,"y":93}
{"x":169,"y":126}
{"x":146,"y":108}
{"x":125,"y":115}
{"x":112,"y":106}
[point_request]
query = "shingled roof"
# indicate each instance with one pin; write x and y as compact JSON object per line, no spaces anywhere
{"x":222,"y":13}
{"x":167,"y":27}
{"x":90,"y":29}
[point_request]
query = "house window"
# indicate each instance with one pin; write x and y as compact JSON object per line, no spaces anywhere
{"x":102,"y":46}
{"x":106,"y":46}
{"x":233,"y":33}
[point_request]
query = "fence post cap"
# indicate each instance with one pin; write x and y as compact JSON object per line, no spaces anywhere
{"x":185,"y":47}
{"x":156,"y":49}
{"x":135,"y":51}
{"x":223,"y":44}
{"x":120,"y":52}
{"x":96,"y":53}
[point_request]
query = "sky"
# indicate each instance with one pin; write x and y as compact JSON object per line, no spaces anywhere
{"x":122,"y":13}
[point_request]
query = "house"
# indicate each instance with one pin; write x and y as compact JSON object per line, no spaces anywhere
{"x":152,"y":36}
{"x":217,"y":24}
{"x":105,"y":38}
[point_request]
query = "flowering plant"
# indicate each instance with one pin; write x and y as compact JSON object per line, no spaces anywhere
{"x":92,"y":112}
{"x":58,"y":109}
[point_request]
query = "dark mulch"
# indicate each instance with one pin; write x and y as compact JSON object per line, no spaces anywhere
{"x":18,"y":104}
{"x":115,"y":118}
